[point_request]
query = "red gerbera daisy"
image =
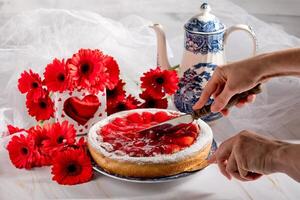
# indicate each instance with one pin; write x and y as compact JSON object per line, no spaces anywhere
{"x":59,"y":136}
{"x":151,"y":102}
{"x":30,"y":82}
{"x":13,"y":129}
{"x":112,"y":71}
{"x":42,"y":108}
{"x":87,"y":70}
{"x":39,"y":135}
{"x":159,"y":82}
{"x":80,"y":144}
{"x":116,"y":94}
{"x":127,"y":103}
{"x":21,"y":152}
{"x":72,"y":166}
{"x":56,"y":76}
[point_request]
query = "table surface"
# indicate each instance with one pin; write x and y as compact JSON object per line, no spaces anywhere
{"x":206,"y":184}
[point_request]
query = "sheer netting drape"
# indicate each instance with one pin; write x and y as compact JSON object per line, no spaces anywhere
{"x":33,"y":38}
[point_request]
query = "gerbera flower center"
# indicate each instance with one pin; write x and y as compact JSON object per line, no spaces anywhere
{"x":39,"y":141}
{"x":151,"y":103}
{"x":159,"y":80}
{"x":60,"y":139}
{"x":43,"y":104}
{"x":35,"y":85}
{"x":85,"y":68}
{"x":110,"y":92}
{"x":121,"y":106}
{"x":73,"y":169}
{"x":61,"y":77}
{"x":24,"y":150}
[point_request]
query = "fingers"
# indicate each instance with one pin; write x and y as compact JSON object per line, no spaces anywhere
{"x":218,"y":90}
{"x":232,"y":168}
{"x":233,"y":160}
{"x":222,"y":99}
{"x":225,"y":112}
{"x":240,"y":104}
{"x":221,"y":165}
{"x":209,"y":89}
{"x":243,"y":102}
{"x":244,"y":173}
{"x":253,"y":176}
{"x":222,"y":154}
{"x":250,"y":99}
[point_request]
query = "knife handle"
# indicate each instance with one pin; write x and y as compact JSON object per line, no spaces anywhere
{"x":205,"y":110}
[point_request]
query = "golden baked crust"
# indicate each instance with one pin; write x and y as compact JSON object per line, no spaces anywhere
{"x":151,"y":170}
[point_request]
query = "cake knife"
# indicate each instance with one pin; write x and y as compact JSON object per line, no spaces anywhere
{"x":177,"y":122}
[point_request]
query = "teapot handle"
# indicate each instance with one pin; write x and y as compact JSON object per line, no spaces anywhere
{"x":242,"y":27}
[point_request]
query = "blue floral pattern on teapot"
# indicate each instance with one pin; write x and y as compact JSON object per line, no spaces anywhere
{"x":191,"y":86}
{"x":200,"y":26}
{"x":204,"y":43}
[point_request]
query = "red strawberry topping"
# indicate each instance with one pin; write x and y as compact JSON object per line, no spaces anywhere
{"x":122,"y":135}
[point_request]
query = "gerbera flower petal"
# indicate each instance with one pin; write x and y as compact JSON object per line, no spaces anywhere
{"x":39,"y":135}
{"x":171,"y":85}
{"x":13,"y":129}
{"x":42,"y":159}
{"x":30,"y":82}
{"x":127,"y":103}
{"x":42,"y":108}
{"x":112,"y":71}
{"x":59,"y":136}
{"x":21,"y":152}
{"x":56,"y":76}
{"x":116,"y":94}
{"x":72,"y":166}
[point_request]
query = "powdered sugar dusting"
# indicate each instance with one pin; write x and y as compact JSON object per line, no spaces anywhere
{"x":95,"y":140}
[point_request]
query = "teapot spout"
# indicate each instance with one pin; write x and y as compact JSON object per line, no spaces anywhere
{"x":162,"y":56}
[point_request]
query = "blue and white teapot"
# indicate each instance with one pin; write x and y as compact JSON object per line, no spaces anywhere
{"x":204,"y":41}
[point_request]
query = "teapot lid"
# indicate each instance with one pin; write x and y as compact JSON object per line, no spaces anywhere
{"x":204,"y":22}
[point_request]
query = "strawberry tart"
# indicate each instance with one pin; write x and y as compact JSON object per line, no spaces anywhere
{"x":116,"y":145}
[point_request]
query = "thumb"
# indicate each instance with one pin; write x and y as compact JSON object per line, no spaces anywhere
{"x":222,"y":99}
{"x":209,"y":89}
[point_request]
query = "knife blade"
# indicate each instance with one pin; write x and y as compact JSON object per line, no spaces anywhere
{"x":177,"y":122}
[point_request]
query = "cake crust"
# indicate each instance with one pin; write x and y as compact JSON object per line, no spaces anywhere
{"x":151,"y":170}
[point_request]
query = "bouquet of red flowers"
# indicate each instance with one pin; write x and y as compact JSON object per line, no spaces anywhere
{"x":76,"y":93}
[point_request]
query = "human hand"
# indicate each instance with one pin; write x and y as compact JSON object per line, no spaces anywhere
{"x":229,"y":80}
{"x":246,"y":156}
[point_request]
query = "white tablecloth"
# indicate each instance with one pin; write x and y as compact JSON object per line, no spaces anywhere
{"x":206,"y":184}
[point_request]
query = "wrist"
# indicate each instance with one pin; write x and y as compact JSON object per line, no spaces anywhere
{"x":266,"y":66}
{"x":280,"y":158}
{"x":280,"y":63}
